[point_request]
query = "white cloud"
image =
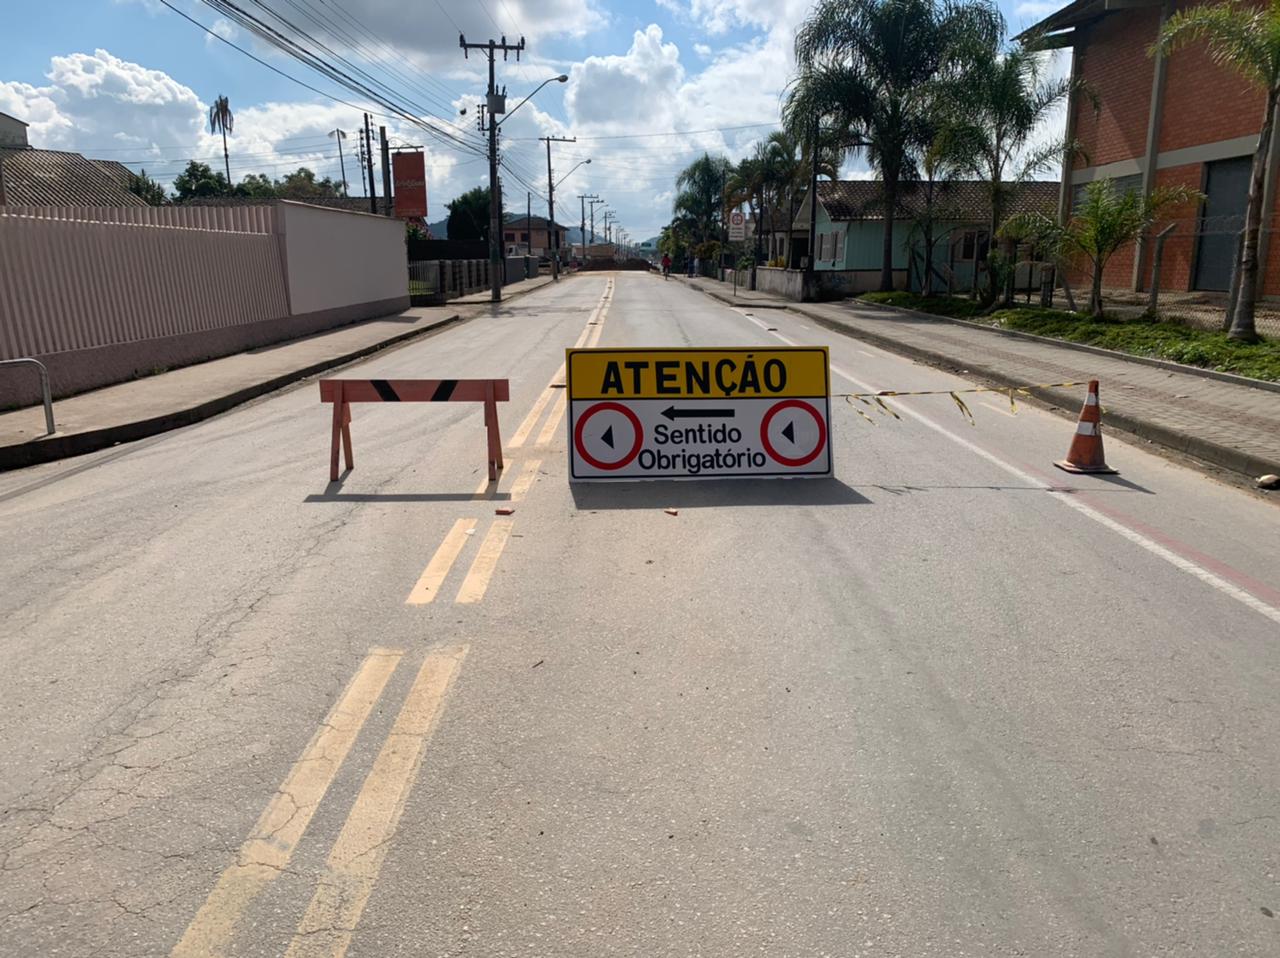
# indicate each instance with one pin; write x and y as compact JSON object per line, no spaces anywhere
{"x":702,"y":50}
{"x":1036,"y":9}
{"x":222,"y":27}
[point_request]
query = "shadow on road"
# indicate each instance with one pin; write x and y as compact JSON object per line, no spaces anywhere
{"x":337,"y":495}
{"x":710,"y":493}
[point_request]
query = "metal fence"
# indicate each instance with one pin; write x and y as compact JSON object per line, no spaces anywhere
{"x":230,"y":219}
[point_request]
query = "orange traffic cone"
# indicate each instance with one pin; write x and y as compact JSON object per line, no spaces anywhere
{"x":1085,"y":454}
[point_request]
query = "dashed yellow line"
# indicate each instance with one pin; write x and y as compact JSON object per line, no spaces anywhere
{"x":524,"y":482}
{"x":271,"y":843}
{"x":437,"y":570}
{"x":357,"y":856}
{"x":486,"y":560}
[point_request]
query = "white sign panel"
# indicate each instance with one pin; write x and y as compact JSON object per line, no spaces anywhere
{"x":737,"y":227}
{"x":698,"y":413}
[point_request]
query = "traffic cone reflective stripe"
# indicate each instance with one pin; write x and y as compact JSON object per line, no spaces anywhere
{"x":1085,"y":454}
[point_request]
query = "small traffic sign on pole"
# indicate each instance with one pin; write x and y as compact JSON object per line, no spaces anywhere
{"x":737,"y":227}
{"x":698,"y":413}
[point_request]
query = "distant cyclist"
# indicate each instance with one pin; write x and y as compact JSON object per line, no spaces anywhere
{"x":666,"y":265}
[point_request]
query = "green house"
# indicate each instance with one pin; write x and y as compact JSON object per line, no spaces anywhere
{"x":850,"y":231}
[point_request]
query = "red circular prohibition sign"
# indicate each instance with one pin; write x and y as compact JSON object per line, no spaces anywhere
{"x":787,"y":460}
{"x":592,"y":460}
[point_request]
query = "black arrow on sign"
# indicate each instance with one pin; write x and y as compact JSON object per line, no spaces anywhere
{"x":608,"y":437}
{"x":672,"y":413}
{"x":790,"y":432}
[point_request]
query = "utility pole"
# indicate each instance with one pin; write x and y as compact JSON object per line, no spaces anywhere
{"x":341,"y":135}
{"x":368,"y":156}
{"x":813,"y":199}
{"x":528,"y":223}
{"x":593,"y":204}
{"x":497,"y":103}
{"x":386,"y":169}
{"x":582,"y":227}
{"x":551,"y":202}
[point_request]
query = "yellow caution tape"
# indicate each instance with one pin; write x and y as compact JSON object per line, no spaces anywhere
{"x":884,"y":408}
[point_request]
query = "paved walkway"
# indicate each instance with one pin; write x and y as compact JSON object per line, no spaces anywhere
{"x":1233,"y":426}
{"x":144,"y":407}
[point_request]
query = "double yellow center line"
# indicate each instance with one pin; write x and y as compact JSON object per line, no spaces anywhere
{"x":474,"y":585}
{"x":357,"y":856}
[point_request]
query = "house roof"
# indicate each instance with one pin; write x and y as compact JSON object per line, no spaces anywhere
{"x":967,"y":199}
{"x":8,"y":116}
{"x":54,"y":178}
{"x":1072,"y":15}
{"x":535,"y":222}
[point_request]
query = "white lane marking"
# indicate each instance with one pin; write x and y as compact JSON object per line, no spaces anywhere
{"x":994,"y":408}
{"x":1137,"y":538}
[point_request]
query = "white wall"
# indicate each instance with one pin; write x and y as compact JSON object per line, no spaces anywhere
{"x":334,"y":258}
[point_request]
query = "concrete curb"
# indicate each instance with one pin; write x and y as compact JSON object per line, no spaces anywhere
{"x":1215,"y":453}
{"x":731,"y":300}
{"x":21,"y":455}
{"x":1232,"y":378}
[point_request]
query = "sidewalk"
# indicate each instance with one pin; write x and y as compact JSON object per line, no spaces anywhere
{"x":145,"y":407}
{"x":1228,"y":424}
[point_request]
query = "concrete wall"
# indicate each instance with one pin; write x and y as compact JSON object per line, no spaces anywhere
{"x":102,"y":296}
{"x":336,"y":259}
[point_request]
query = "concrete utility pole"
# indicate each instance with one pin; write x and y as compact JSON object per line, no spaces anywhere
{"x":368,"y":159}
{"x":551,"y":203}
{"x":582,"y":227}
{"x":386,"y":170}
{"x":497,"y":103}
{"x":593,"y":204}
{"x":813,"y":199}
{"x":528,"y":223}
{"x":341,"y":135}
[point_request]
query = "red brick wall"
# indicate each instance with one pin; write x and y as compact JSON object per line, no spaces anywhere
{"x":1205,"y":102}
{"x":1115,"y":66}
{"x":1175,"y":267}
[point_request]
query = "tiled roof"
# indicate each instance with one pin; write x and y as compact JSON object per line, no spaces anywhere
{"x":968,"y":199}
{"x":55,"y":178}
{"x":538,"y":223}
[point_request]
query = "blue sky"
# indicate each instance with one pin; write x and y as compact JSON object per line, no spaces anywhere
{"x":132,"y":80}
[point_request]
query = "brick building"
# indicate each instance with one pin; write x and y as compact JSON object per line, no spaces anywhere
{"x":1158,"y":121}
{"x":534,"y":236}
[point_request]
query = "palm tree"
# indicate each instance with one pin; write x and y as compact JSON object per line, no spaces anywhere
{"x":870,"y":68}
{"x":1247,"y":39}
{"x":700,"y":194}
{"x":787,"y":169}
{"x":996,"y":108}
{"x":1105,"y":222}
{"x":747,"y":185}
{"x":222,"y":119}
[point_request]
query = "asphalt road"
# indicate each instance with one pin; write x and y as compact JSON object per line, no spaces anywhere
{"x":951,"y":702}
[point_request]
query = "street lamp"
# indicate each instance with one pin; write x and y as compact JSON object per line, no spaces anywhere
{"x":562,"y":78}
{"x":570,"y":173}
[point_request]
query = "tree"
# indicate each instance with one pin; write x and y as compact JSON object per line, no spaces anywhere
{"x":151,"y":192}
{"x":198,"y":180}
{"x":1102,"y":224}
{"x":303,"y":185}
{"x":995,"y":108}
{"x":870,"y":68}
{"x":746,"y":186}
{"x":257,"y":186}
{"x":1246,"y":39}
{"x":221,"y":119}
{"x":469,"y":215}
{"x":700,"y":195}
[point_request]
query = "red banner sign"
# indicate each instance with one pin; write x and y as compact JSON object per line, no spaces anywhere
{"x":409,"y":172}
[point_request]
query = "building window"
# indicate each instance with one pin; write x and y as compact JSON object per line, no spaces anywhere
{"x":839,"y":244}
{"x":969,"y":246}
{"x":511,"y":237}
{"x":524,"y":237}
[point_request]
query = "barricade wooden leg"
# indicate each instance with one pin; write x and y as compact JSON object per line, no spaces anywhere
{"x":346,"y":435}
{"x":338,"y":406}
{"x":491,"y":425}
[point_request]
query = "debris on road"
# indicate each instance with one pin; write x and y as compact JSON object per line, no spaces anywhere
{"x":1269,"y":481}
{"x":672,"y":512}
{"x":539,"y":662}
{"x":504,"y":511}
